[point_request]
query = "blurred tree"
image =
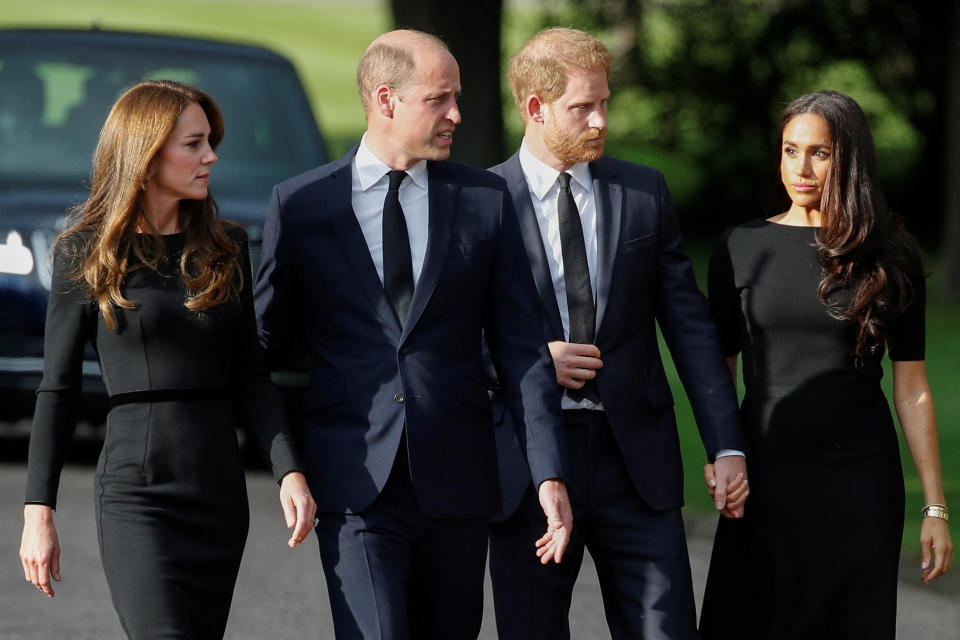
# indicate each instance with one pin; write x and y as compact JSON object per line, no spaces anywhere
{"x":472,"y":31}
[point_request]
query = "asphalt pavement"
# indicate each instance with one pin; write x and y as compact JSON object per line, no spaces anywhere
{"x":280,"y":593}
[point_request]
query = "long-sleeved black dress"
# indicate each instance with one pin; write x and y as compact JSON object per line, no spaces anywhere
{"x":817,"y":552}
{"x":171,"y":502}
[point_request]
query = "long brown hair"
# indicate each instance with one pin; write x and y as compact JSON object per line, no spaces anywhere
{"x":861,"y":244}
{"x":136,"y":129}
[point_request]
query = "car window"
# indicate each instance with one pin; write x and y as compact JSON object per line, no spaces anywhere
{"x":54,"y":100}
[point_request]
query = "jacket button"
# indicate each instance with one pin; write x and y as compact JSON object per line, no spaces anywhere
{"x":403,"y":351}
{"x":399,"y":398}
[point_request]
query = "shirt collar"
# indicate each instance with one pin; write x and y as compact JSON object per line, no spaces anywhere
{"x":541,"y":177}
{"x":370,"y":170}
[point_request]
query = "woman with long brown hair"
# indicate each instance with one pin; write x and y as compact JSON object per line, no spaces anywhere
{"x":161,"y":286}
{"x":811,"y":299}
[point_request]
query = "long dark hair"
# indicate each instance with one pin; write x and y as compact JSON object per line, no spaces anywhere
{"x":861,"y":245}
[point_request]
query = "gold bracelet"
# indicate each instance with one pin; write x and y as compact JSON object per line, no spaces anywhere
{"x":936,"y":511}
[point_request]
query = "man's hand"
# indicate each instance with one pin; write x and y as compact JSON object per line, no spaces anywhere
{"x":727,"y":483}
{"x":575,"y":363}
{"x":299,"y":508}
{"x":556,"y":506}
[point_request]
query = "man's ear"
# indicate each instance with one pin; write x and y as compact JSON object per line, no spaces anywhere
{"x":535,"y":108}
{"x":385,"y":99}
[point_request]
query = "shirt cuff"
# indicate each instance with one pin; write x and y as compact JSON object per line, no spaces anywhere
{"x":729,"y":452}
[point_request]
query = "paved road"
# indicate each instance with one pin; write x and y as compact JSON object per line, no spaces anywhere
{"x":280,"y":593}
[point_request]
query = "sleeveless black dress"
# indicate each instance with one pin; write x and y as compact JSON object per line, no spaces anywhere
{"x":816,"y":555}
{"x":171,"y":502}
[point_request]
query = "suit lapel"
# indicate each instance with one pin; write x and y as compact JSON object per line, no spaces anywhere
{"x":533,"y":242}
{"x":442,"y":210}
{"x":609,"y":198}
{"x":338,"y":197}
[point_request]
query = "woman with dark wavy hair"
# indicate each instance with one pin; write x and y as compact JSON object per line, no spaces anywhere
{"x":811,"y":299}
{"x":161,"y":286}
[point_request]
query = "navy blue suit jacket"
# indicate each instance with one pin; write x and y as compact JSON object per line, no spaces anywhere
{"x":369,"y":376}
{"x":643,"y":279}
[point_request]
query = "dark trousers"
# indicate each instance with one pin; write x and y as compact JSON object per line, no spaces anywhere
{"x":640,"y":554}
{"x":394,"y":573}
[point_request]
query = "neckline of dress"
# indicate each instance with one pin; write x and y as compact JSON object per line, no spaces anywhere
{"x":791,"y":226}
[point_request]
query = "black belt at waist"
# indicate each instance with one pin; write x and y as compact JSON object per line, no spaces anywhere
{"x":584,"y":416}
{"x":167,"y":395}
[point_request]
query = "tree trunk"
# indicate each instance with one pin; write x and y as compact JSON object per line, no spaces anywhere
{"x":950,"y":243}
{"x":472,"y":31}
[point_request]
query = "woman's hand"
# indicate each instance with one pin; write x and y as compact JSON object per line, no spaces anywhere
{"x":734,"y":495}
{"x":914,"y":404}
{"x":935,"y":536}
{"x":40,"y":547}
{"x":299,"y":508}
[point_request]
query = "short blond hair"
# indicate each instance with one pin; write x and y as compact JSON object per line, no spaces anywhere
{"x":391,"y":64}
{"x":540,"y":67}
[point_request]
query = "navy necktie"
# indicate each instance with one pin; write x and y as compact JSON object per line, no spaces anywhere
{"x":397,"y":263}
{"x":576,"y":277}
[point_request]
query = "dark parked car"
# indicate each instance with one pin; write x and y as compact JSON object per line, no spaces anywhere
{"x":56,"y":88}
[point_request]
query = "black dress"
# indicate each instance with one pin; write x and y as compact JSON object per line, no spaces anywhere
{"x":171,"y":502}
{"x":817,"y":552}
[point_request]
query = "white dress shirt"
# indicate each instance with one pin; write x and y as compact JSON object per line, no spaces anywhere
{"x":544,"y":190}
{"x":369,"y":180}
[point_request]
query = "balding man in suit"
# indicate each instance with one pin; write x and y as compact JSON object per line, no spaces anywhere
{"x":396,"y":263}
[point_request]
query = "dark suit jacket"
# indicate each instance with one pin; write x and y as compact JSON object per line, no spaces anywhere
{"x":643,"y":280}
{"x":369,"y":377}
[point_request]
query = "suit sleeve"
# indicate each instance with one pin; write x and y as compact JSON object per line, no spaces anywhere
{"x":278,"y":306}
{"x":259,"y":405}
{"x":70,"y":319}
{"x":514,"y":334}
{"x":685,"y":320}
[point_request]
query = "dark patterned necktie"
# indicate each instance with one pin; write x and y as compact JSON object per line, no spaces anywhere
{"x":397,"y":263}
{"x":576,"y":277}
